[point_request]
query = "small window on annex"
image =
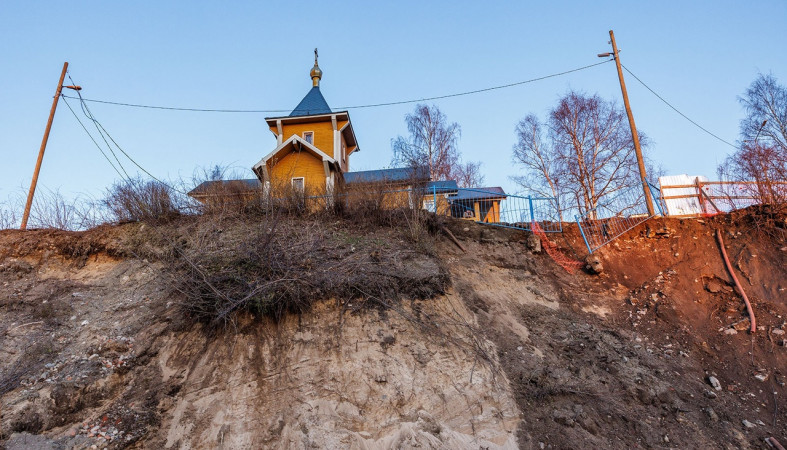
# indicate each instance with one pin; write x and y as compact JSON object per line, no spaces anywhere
{"x":308,"y":136}
{"x":297,"y":184}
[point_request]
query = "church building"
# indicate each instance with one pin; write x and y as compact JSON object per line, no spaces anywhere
{"x":314,"y":145}
{"x":312,"y":158}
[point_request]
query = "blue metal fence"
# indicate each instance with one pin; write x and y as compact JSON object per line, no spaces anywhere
{"x":615,"y":215}
{"x":488,"y":207}
{"x":496,"y":208}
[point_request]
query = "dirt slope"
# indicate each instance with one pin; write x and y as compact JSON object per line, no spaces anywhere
{"x":95,"y":351}
{"x":622,"y":359}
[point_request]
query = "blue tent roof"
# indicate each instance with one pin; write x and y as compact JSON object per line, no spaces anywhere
{"x":313,"y":103}
{"x":398,"y":174}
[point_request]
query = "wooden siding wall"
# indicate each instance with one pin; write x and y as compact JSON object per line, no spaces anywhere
{"x":493,"y":215}
{"x":299,"y":164}
{"x":323,"y":134}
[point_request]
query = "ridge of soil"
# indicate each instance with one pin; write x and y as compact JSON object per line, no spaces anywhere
{"x":515,"y":353}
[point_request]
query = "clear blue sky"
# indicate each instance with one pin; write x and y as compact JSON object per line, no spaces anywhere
{"x":699,"y":55}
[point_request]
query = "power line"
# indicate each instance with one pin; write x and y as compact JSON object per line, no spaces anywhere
{"x":86,"y":111}
{"x":87,"y":114}
{"x":373,"y":105}
{"x":91,"y":137}
{"x":676,"y":109}
{"x":133,"y":161}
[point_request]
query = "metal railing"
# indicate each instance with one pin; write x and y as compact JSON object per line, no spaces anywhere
{"x":506,"y":210}
{"x":488,"y":207}
{"x":711,"y":197}
{"x":615,"y":215}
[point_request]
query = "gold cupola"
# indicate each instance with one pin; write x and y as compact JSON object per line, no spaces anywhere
{"x":316,"y":73}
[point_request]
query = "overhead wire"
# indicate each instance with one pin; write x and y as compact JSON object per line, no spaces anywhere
{"x":86,"y":111}
{"x":102,"y":131}
{"x":676,"y":109}
{"x":372,"y":105}
{"x":105,"y":134}
{"x":91,"y":136}
{"x":87,"y":114}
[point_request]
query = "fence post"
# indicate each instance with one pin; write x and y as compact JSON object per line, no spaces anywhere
{"x":701,"y":200}
{"x":657,"y":200}
{"x":582,"y":232}
{"x":559,"y":213}
{"x":532,"y":216}
{"x":434,"y":198}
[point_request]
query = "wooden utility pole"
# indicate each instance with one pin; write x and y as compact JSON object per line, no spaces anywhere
{"x":634,"y":135}
{"x":30,"y":194}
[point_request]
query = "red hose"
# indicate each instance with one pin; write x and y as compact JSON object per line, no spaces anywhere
{"x":774,"y":443}
{"x":737,"y":283}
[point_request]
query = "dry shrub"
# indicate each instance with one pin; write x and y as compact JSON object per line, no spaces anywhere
{"x":53,"y":211}
{"x":136,"y":199}
{"x":10,"y":215}
{"x":271,"y":264}
{"x":757,"y":173}
{"x":221,"y":191}
{"x":278,"y":249}
{"x":227,"y":197}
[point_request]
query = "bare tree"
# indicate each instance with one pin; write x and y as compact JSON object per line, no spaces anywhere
{"x":766,"y":113}
{"x":468,"y":175}
{"x":432,"y":143}
{"x":759,"y":166}
{"x":586,"y":156}
{"x":542,"y":174}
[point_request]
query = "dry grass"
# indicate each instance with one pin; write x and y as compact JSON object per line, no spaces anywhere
{"x":271,"y":264}
{"x":139,"y":200}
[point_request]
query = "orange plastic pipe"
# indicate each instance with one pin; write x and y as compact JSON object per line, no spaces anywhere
{"x":737,"y":283}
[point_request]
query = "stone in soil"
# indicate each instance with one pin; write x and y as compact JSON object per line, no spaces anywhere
{"x":714,"y":382}
{"x":714,"y":286}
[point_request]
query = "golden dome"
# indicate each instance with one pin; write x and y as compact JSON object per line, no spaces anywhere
{"x":316,"y":73}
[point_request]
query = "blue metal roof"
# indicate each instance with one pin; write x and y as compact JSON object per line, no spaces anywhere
{"x":398,"y":174}
{"x":313,"y":103}
{"x":205,"y":186}
{"x":442,"y":187}
{"x":479,"y":193}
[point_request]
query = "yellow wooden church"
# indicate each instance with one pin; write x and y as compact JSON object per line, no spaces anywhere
{"x":312,"y":158}
{"x":314,"y":145}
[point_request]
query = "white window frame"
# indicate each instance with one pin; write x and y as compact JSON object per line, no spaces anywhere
{"x":303,"y":184}
{"x":429,"y":204}
{"x":311,"y":134}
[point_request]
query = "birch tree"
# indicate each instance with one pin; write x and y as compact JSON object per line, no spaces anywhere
{"x":433,"y":143}
{"x":762,"y":155}
{"x":582,"y":155}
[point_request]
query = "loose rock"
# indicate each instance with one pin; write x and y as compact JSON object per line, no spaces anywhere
{"x":743,"y":325}
{"x":714,"y":286}
{"x":593,"y":264}
{"x":533,"y":243}
{"x":714,"y":382}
